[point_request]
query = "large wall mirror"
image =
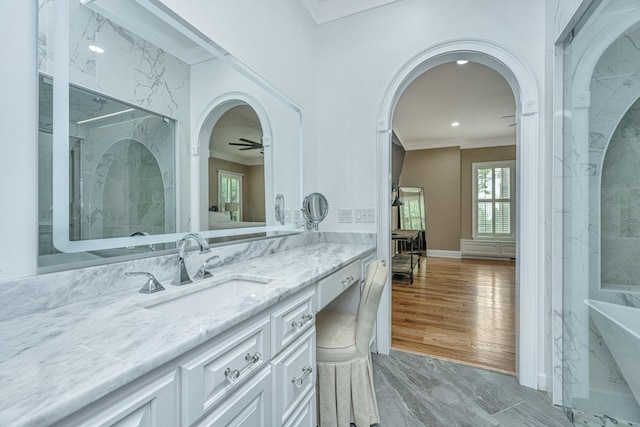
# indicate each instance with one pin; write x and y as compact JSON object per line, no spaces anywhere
{"x":149,"y":130}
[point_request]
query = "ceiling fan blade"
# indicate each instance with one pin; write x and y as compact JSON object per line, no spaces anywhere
{"x":506,"y":117}
{"x":249,"y":141}
{"x":240,"y":144}
{"x":512,"y":124}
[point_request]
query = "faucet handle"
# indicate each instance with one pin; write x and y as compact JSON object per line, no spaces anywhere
{"x":203,"y":273}
{"x":152,"y":284}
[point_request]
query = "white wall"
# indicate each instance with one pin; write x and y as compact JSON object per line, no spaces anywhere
{"x":358,"y":57}
{"x":18,"y":149}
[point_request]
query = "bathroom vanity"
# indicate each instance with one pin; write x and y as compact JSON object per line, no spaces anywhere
{"x":122,"y":358}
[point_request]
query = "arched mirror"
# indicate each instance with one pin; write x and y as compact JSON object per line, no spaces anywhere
{"x":314,"y":209}
{"x":236,"y":168}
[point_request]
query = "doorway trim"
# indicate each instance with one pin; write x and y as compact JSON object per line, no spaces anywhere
{"x":200,"y":151}
{"x":531,"y":346}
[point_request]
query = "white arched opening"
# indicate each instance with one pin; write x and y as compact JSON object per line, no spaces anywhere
{"x":530,"y":348}
{"x":200,"y":153}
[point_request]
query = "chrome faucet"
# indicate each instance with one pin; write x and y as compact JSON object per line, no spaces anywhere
{"x":182,"y":276}
{"x":204,"y":273}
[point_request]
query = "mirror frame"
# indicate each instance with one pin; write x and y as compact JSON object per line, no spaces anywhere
{"x":61,"y":83}
{"x":310,"y":201}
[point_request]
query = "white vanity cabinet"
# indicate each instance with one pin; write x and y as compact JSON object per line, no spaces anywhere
{"x":338,"y":282}
{"x":149,"y":402}
{"x":213,"y":371}
{"x":260,"y":372}
{"x":294,"y":372}
{"x":305,"y":414}
{"x":251,"y":406}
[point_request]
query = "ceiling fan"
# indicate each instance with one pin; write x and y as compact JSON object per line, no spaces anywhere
{"x":506,"y":117}
{"x":247,"y":144}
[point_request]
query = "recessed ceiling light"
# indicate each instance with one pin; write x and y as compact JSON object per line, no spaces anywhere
{"x":454,"y":124}
{"x":461,"y":61}
{"x":96,"y":49}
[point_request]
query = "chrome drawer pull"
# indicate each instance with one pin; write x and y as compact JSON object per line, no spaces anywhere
{"x":233,"y":374}
{"x":298,"y":381}
{"x":348,"y":281}
{"x":305,"y":318}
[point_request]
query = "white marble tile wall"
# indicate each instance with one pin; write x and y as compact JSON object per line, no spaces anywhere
{"x":588,"y":372}
{"x":132,"y":70}
{"x":47,"y":291}
{"x":97,"y":157}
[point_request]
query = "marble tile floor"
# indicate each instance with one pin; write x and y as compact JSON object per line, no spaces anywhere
{"x":417,"y":391}
{"x":586,"y":419}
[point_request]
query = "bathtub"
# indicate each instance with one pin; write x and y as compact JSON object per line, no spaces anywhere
{"x":620,"y":327}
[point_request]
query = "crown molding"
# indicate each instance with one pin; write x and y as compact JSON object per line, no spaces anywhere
{"x":329,"y":10}
{"x":463,"y":143}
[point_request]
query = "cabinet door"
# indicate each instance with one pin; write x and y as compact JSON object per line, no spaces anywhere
{"x":294,"y":373}
{"x":305,"y":415}
{"x":151,"y":405}
{"x":213,"y":372}
{"x":291,"y":320}
{"x":250,"y":406}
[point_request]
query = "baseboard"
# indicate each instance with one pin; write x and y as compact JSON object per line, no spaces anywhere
{"x":544,"y":383}
{"x":435,"y":253}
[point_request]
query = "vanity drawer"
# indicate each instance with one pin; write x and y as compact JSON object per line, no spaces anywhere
{"x":291,"y":320}
{"x":294,"y":376}
{"x":305,"y":415}
{"x":336,"y":283}
{"x":152,"y":404}
{"x":250,"y":406}
{"x":222,"y":366}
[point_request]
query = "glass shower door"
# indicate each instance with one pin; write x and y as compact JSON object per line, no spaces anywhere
{"x":600,"y":206}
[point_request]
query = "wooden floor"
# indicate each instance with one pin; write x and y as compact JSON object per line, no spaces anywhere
{"x":457,"y":310}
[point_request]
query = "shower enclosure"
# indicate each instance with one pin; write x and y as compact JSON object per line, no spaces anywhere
{"x":600,"y":175}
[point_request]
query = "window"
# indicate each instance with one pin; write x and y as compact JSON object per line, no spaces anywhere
{"x":494,"y":200}
{"x":230,"y":194}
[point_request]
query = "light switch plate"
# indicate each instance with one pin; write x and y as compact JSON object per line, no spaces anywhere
{"x":345,"y":215}
{"x":364,"y":215}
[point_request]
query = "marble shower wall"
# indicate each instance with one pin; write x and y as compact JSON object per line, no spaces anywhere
{"x":143,"y":75}
{"x":600,"y":168}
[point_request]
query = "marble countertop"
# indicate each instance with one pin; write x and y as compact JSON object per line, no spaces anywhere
{"x":55,"y":362}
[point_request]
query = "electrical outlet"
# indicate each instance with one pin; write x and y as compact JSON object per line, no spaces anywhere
{"x":364,"y":215}
{"x":296,"y":216}
{"x":345,"y":215}
{"x":287,"y":215}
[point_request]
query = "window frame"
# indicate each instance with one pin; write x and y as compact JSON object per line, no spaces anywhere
{"x":512,"y":199}
{"x":235,"y":176}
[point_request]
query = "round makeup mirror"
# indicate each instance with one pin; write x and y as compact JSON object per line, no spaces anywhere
{"x":314,"y":209}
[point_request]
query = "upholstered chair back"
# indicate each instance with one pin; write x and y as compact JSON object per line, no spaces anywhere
{"x":369,"y":302}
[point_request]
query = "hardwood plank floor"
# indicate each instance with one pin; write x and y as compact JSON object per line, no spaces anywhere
{"x":457,"y":310}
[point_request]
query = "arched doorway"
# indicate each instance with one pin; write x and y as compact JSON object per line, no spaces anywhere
{"x":456,"y":123}
{"x":200,"y":151}
{"x":530,"y":349}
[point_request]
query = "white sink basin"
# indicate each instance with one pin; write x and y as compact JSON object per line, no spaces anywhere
{"x":204,"y":296}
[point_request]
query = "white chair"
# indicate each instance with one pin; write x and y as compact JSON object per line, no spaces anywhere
{"x":345,"y":389}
